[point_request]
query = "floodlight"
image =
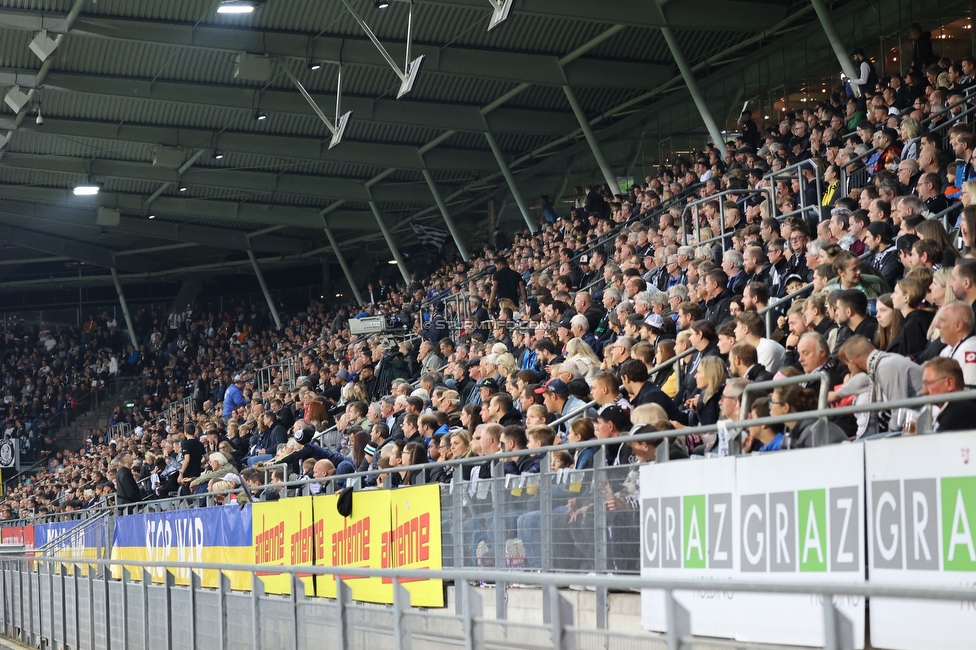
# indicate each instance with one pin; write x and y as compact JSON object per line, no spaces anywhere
{"x":500,"y":9}
{"x":42,"y":45}
{"x":237,"y":7}
{"x":16,"y":99}
{"x":88,"y":189}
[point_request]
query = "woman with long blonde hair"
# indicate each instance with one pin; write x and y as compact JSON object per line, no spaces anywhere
{"x":579,"y":351}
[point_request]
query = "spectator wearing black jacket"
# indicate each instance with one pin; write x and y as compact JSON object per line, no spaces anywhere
{"x":633,"y":376}
{"x":126,"y":487}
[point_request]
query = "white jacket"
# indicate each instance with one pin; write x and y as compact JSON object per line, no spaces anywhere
{"x":965,"y":353}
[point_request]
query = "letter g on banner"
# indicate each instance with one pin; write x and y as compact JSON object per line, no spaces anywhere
{"x":753,"y":532}
{"x":650,"y":532}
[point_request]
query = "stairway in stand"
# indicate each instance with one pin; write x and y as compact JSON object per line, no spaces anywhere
{"x":128,"y":389}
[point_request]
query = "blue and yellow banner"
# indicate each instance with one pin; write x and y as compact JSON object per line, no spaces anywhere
{"x":216,"y":535}
{"x":82,"y":539}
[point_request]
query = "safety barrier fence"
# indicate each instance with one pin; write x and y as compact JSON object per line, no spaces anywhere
{"x":49,"y":602}
{"x":615,"y":518}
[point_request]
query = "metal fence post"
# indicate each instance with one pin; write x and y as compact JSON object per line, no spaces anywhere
{"x":457,"y":516}
{"x":126,"y":579}
{"x":146,"y":582}
{"x":223,"y":587}
{"x":297,"y":595}
{"x":3,"y":599}
{"x":343,"y":598}
{"x":471,"y":610}
{"x":194,"y":588}
{"x":108,"y":607}
{"x":545,"y":513}
{"x":76,"y":578}
{"x":838,"y":629}
{"x":257,"y":592}
{"x":168,"y":580}
{"x":560,"y":617}
{"x":64,"y":607}
{"x":31,"y":633}
{"x":91,"y":608}
{"x":401,"y":606}
{"x":498,"y":525}
{"x":679,"y":622}
{"x":600,"y":540}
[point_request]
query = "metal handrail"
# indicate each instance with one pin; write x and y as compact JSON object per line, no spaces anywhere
{"x":694,"y":205}
{"x":844,"y":176}
{"x":768,"y":309}
{"x":773,"y":384}
{"x":928,"y":120}
{"x":609,"y":581}
{"x":798,"y":169}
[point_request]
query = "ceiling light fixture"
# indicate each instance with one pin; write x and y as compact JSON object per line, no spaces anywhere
{"x":218,"y":155}
{"x":258,"y":115}
{"x":382,"y":4}
{"x":237,"y":7}
{"x":39,"y":120}
{"x":314,"y":65}
{"x":392,"y":262}
{"x":88,"y":189}
{"x":152,"y":216}
{"x":182,"y":188}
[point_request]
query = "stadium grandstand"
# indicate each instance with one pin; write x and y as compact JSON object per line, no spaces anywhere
{"x":571,"y":325}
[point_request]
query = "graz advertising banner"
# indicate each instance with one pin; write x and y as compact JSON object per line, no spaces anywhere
{"x":219,"y":535}
{"x":921,"y":513}
{"x":772,"y":518}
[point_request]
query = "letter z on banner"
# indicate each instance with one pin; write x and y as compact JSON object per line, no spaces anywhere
{"x":772,"y":518}
{"x":921,"y":518}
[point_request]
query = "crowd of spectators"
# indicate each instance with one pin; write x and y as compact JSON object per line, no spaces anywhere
{"x":562,"y":335}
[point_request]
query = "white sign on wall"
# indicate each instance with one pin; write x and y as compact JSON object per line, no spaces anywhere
{"x":921,"y":517}
{"x":777,"y":517}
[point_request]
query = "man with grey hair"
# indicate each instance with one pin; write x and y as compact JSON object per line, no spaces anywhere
{"x":580,"y":327}
{"x":659,"y":303}
{"x":675,"y":275}
{"x":957,"y":325}
{"x":685,"y":255}
{"x":814,"y":356}
{"x":602,"y":331}
{"x":642,"y":303}
{"x":732,"y":265}
{"x":908,"y":206}
{"x":429,"y":361}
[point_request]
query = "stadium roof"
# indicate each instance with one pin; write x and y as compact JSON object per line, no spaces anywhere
{"x":133,"y":81}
